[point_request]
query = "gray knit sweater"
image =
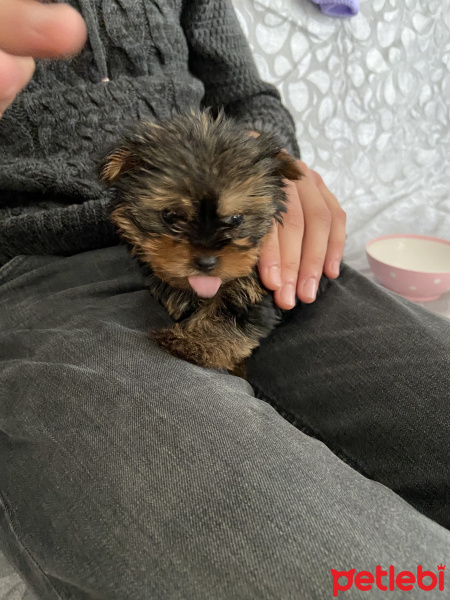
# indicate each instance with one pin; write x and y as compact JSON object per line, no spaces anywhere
{"x":144,"y":59}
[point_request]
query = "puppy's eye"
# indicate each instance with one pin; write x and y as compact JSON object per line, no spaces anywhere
{"x":170,"y":217}
{"x":234,"y":220}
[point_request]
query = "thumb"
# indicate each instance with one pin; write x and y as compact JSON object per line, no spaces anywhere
{"x":30,"y":28}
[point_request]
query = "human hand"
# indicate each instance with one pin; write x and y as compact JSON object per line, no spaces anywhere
{"x":310,"y":242}
{"x":29,"y":30}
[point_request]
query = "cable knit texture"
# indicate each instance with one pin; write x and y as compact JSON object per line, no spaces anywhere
{"x":148,"y":60}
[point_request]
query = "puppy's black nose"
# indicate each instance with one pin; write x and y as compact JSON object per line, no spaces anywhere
{"x":206,"y":263}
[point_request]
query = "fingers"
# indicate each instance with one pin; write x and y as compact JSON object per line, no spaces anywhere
{"x":269,"y":263}
{"x":336,"y":240}
{"x":310,"y":242}
{"x":290,"y":237}
{"x":318,"y":220}
{"x":30,"y":28}
{"x":15,"y":73}
{"x":280,"y":254}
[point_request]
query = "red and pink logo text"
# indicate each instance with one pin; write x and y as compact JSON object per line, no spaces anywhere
{"x":388,"y":580}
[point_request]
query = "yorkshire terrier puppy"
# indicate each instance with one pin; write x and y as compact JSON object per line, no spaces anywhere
{"x":195,"y":198}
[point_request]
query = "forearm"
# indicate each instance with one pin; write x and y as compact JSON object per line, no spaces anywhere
{"x":221,"y":58}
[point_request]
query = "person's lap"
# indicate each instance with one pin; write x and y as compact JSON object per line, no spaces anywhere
{"x":126,"y":473}
{"x":368,"y":373}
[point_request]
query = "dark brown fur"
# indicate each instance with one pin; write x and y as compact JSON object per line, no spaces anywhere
{"x":193,"y":187}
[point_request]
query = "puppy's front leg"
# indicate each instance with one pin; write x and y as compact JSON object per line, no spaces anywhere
{"x":206,"y":339}
{"x":224,"y":332}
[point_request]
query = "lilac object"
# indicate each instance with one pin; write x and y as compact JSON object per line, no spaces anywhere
{"x":339,"y":8}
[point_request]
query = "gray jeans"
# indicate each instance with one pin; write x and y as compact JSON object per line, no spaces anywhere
{"x":128,"y":474}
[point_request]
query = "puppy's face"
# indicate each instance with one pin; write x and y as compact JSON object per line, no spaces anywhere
{"x":196,"y":197}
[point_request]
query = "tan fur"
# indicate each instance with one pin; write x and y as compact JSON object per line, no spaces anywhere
{"x":164,"y":196}
{"x":250,"y":292}
{"x":207,"y":341}
{"x":179,"y":183}
{"x":239,"y":198}
{"x":116,"y":165}
{"x":125,"y":227}
{"x":210,"y":340}
{"x":243,"y":243}
{"x":235,"y":262}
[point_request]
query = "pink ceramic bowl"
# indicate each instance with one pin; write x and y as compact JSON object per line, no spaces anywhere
{"x":414,"y":266}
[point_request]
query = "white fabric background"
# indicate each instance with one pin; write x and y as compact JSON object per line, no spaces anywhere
{"x":371,"y":99}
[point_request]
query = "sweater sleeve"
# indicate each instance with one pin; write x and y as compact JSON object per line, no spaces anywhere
{"x":220,"y":57}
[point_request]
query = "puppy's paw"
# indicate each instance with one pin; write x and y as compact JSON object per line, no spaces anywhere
{"x":207,"y":352}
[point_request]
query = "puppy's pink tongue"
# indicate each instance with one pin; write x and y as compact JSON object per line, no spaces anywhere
{"x":205,"y":287}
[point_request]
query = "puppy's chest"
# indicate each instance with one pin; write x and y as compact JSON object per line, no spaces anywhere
{"x":232,"y":301}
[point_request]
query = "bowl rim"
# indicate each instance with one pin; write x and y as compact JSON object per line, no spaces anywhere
{"x":407,"y":235}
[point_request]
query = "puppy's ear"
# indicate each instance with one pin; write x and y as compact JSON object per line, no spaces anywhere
{"x":128,"y":155}
{"x":116,"y":164}
{"x":288,"y":167}
{"x":284,"y":164}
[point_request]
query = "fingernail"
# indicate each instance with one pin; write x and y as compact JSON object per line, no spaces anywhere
{"x":288,"y":294}
{"x":335,"y":266}
{"x":310,"y":288}
{"x":275,"y":276}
